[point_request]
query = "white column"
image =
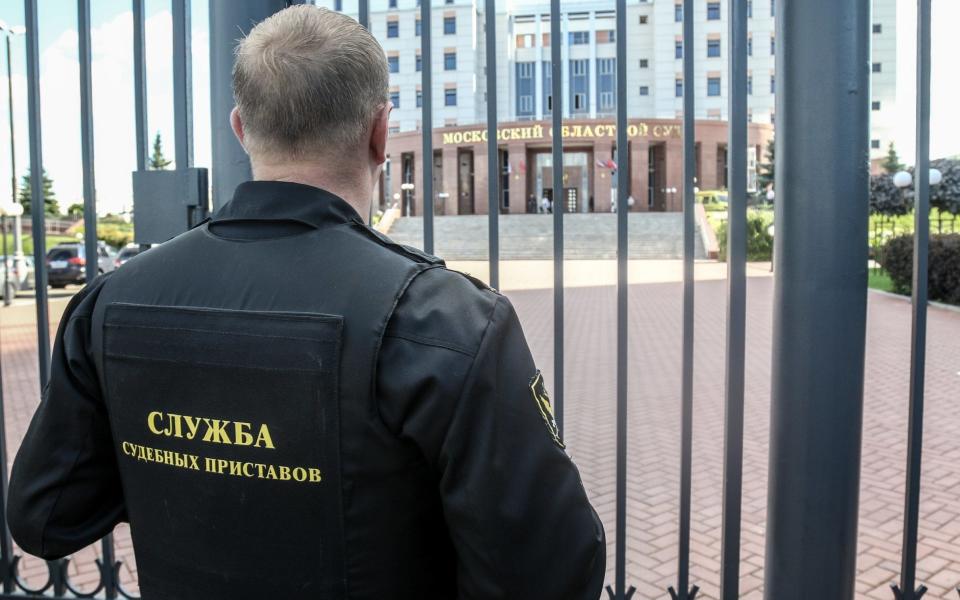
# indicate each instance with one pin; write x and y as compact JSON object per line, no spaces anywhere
{"x":592,"y":100}
{"x":538,"y":70}
{"x":565,"y":64}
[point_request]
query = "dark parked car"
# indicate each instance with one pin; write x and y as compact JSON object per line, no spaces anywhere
{"x":126,"y":253}
{"x":66,"y":263}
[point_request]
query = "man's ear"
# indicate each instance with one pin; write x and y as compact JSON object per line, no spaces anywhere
{"x":378,"y":134}
{"x":236,"y":124}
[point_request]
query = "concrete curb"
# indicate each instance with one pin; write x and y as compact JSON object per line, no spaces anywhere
{"x":903,"y":298}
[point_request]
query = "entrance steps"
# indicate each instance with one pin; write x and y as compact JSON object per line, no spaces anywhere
{"x":530,"y":236}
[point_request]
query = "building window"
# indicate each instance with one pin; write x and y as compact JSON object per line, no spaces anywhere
{"x":644,"y":63}
{"x":338,"y":5}
{"x":678,"y":88}
{"x":450,"y":61}
{"x":773,"y":46}
{"x":393,"y":29}
{"x":393,"y":3}
{"x":749,"y":45}
{"x":395,"y":99}
{"x":773,"y":84}
{"x":416,"y":27}
{"x":393,"y":63}
{"x":878,"y":28}
{"x":579,"y":86}
{"x":525,"y":40}
{"x":449,"y":25}
{"x":607,"y":84}
{"x":526,"y":88}
{"x":678,"y":13}
{"x":713,"y":86}
{"x":875,"y":144}
{"x":547,"y":87}
{"x":713,"y":48}
{"x":713,"y":11}
{"x":678,"y":49}
{"x":419,"y":98}
{"x":450,"y":97}
{"x":643,"y":19}
{"x":877,"y":67}
{"x":875,"y":105}
{"x":607,"y":36}
{"x":749,"y":9}
{"x":644,"y":90}
{"x":773,"y":8}
{"x":579,"y":38}
{"x":749,"y":85}
{"x":419,"y":63}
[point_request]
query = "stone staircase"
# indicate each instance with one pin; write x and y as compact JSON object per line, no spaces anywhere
{"x":530,"y":237}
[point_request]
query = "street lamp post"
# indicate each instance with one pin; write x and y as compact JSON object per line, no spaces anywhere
{"x":10,"y":31}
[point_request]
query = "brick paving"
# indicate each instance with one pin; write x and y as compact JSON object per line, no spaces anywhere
{"x":653,"y":452}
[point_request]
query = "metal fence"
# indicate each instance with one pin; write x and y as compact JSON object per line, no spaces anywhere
{"x":818,"y":357}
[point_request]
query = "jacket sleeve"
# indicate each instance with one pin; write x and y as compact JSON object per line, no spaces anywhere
{"x":515,"y":506}
{"x":65,"y":488}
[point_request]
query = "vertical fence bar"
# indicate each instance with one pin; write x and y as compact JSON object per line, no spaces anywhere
{"x":140,"y":83}
{"x":556,"y":116}
{"x":182,"y":85}
{"x":820,"y":298}
{"x":86,"y":140}
{"x":493,"y":155}
{"x":6,"y":545}
{"x":426,"y":85}
{"x":36,"y":189}
{"x":736,"y":300}
{"x":907,"y":590}
{"x":623,"y":157}
{"x":108,"y":568}
{"x":683,"y":591}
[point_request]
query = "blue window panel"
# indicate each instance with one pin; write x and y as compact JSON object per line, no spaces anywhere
{"x":713,"y":48}
{"x":749,"y":9}
{"x":449,"y":25}
{"x":773,"y":84}
{"x":419,"y":98}
{"x":579,"y":38}
{"x":678,"y":13}
{"x":678,"y":88}
{"x":393,"y":63}
{"x":750,"y":46}
{"x":580,"y":86}
{"x":393,"y":3}
{"x":678,"y":49}
{"x":393,"y":29}
{"x":713,"y":11}
{"x":450,"y":61}
{"x":338,"y":5}
{"x":417,"y":27}
{"x":395,"y":99}
{"x":547,"y":71}
{"x":644,"y":90}
{"x":526,"y":88}
{"x":749,"y":84}
{"x":450,"y":97}
{"x":419,"y":63}
{"x":773,"y":45}
{"x":713,"y":86}
{"x":607,"y":84}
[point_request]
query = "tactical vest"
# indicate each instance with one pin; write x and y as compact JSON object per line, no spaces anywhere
{"x":235,"y":374}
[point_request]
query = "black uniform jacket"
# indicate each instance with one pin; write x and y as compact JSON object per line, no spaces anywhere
{"x":286,"y":404}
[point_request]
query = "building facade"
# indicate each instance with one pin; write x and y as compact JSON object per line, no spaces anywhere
{"x":655,"y":84}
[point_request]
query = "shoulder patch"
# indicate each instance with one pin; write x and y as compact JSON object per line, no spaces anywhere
{"x":539,"y":391}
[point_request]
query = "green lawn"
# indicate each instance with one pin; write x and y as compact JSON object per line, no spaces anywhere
{"x":879,"y":280}
{"x":52,"y":240}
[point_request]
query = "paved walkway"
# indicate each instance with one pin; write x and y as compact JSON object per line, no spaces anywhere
{"x":654,"y":387}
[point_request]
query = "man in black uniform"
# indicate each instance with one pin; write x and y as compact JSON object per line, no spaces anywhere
{"x":285,"y":404}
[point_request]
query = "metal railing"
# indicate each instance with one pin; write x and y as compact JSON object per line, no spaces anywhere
{"x":816,"y":429}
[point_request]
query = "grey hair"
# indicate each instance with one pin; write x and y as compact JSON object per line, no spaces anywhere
{"x":307,"y":82}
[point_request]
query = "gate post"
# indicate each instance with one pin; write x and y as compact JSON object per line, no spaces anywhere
{"x":822,"y":102}
{"x":228,"y":21}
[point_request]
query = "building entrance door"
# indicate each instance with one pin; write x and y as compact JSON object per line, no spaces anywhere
{"x":657,"y":192}
{"x":576,"y":179}
{"x":465,"y":205}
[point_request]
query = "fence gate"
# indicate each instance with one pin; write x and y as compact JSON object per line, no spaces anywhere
{"x":818,"y":357}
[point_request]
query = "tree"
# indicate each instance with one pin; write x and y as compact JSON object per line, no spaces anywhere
{"x":891,"y":163}
{"x":157,"y":160}
{"x":766,"y":171}
{"x":51,"y":207}
{"x":946,"y":196}
{"x":75,"y":210}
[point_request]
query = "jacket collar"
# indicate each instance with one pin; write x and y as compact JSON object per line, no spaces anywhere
{"x":285,"y":201}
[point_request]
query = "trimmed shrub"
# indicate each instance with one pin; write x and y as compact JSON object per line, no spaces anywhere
{"x":759,"y":242}
{"x":943,"y":271}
